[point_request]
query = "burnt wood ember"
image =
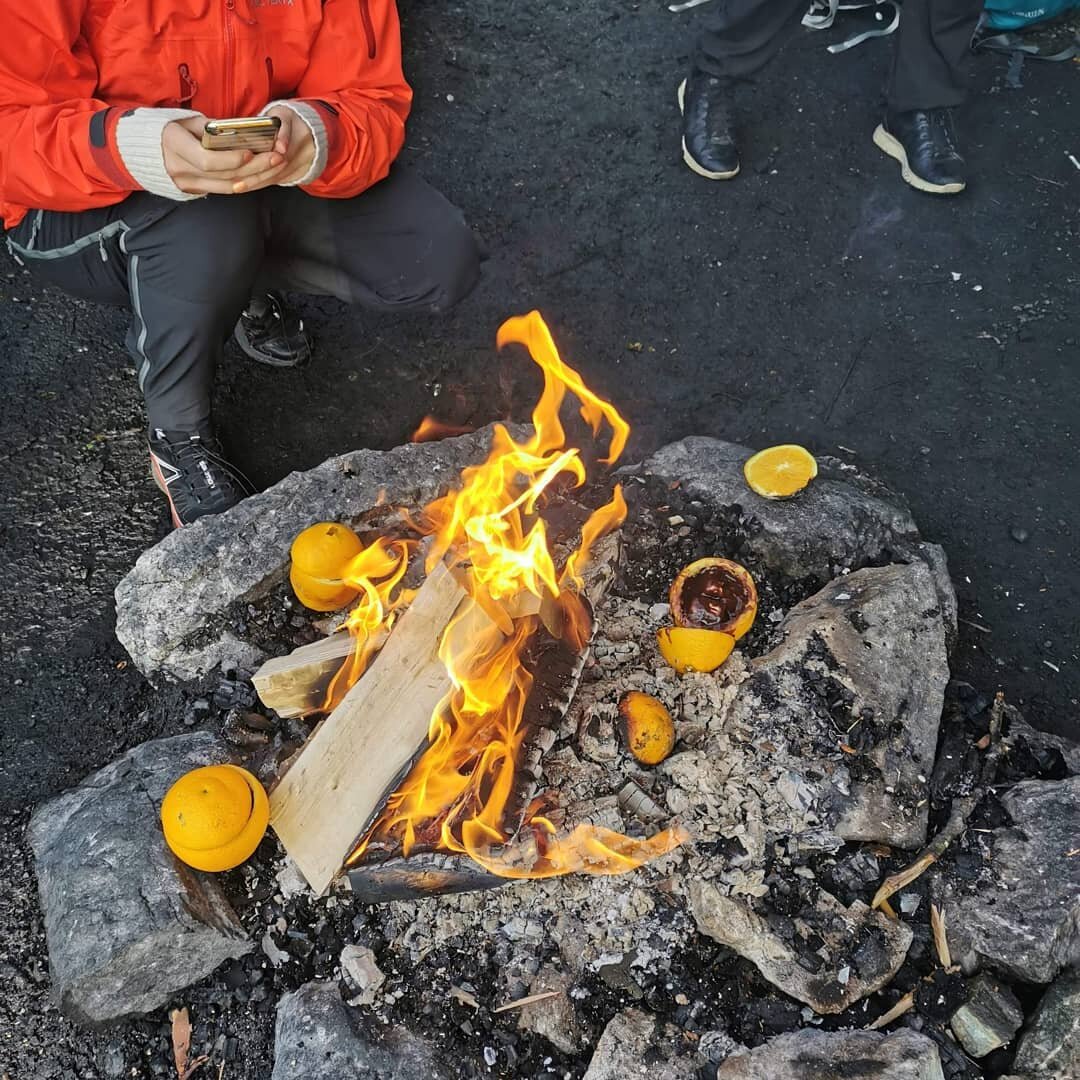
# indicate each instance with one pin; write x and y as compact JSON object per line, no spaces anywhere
{"x":426,"y":873}
{"x":556,"y":669}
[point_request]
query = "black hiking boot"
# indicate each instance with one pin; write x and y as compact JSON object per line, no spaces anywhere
{"x":269,"y":332}
{"x":924,"y":142}
{"x":708,"y":129}
{"x":196,"y":479}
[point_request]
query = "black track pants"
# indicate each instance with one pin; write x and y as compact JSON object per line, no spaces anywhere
{"x":186,"y":269}
{"x":741,"y":36}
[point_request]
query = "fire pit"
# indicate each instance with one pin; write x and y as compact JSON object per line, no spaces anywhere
{"x":463,"y":733}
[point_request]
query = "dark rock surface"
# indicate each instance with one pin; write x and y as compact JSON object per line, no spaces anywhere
{"x":1050,"y":1047}
{"x":863,"y":663}
{"x":832,"y":985}
{"x":170,"y":606}
{"x":127,"y":924}
{"x":1024,"y":918}
{"x":317,"y":1038}
{"x":814,"y":1055}
{"x":842,"y":521}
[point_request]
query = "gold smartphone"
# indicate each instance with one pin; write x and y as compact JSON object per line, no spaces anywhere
{"x":255,"y":133}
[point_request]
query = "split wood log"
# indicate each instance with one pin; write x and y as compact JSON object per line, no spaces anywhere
{"x":330,"y":795}
{"x":296,"y":684}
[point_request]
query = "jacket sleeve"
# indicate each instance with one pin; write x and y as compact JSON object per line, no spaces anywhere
{"x":354,"y":97}
{"x":58,"y":148}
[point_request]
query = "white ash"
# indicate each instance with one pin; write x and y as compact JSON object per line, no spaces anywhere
{"x":738,"y":791}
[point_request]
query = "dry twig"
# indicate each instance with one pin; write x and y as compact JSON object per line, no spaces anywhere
{"x":531,"y":999}
{"x":959,"y":812}
{"x":898,"y":1010}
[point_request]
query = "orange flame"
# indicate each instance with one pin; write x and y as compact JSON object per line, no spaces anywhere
{"x":490,"y":532}
{"x":432,"y":430}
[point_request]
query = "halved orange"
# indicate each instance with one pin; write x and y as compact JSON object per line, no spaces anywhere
{"x":689,"y":648}
{"x":714,"y":594}
{"x":320,"y":555}
{"x":780,"y":471}
{"x":647,"y":727}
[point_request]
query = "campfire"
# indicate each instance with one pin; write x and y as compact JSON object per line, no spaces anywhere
{"x":454,"y":683}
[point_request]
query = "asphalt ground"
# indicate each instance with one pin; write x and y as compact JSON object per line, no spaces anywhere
{"x":816,"y":299}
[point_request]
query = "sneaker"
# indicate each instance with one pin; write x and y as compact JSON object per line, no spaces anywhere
{"x":708,"y":135}
{"x":196,"y":479}
{"x":269,"y":332}
{"x":924,"y":142}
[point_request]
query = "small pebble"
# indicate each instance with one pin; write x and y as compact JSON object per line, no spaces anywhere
{"x":1019,"y":534}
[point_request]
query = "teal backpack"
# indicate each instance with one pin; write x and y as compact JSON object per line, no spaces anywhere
{"x":1016,"y":14}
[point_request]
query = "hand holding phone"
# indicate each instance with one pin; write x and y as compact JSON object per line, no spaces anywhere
{"x":254,"y":133}
{"x":198,"y":171}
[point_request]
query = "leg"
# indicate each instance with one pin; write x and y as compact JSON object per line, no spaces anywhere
{"x":931,"y":55}
{"x":399,"y":246}
{"x":184,"y":270}
{"x":741,"y":36}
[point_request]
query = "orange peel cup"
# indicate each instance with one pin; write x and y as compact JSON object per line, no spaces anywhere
{"x":714,"y":594}
{"x":688,"y":648}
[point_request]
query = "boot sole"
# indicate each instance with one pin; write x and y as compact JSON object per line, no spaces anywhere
{"x":895,"y":149}
{"x":687,"y":157}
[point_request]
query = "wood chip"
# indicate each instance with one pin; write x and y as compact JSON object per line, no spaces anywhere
{"x":941,"y":941}
{"x":895,"y":882}
{"x":898,"y":1010}
{"x":530,"y":1000}
{"x":464,"y":997}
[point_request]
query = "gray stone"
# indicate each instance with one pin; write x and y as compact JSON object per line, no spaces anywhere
{"x":637,"y":1046}
{"x":843,"y":969}
{"x":842,"y":521}
{"x":316,"y":1038}
{"x":1024,"y":918}
{"x":1051,"y":1044}
{"x":554,"y":1018}
{"x":875,"y":637}
{"x":171,"y":608}
{"x":989,"y":1018}
{"x":127,"y":925}
{"x":816,"y":1055}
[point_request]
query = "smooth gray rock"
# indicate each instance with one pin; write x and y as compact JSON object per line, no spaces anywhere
{"x":817,"y":1055}
{"x":171,"y":607}
{"x":842,"y":521}
{"x":989,"y":1018}
{"x":851,"y":970}
{"x":316,"y":1038}
{"x":877,"y":637}
{"x":637,"y":1046}
{"x":1051,"y":1044}
{"x":1024,"y":919}
{"x":127,"y":925}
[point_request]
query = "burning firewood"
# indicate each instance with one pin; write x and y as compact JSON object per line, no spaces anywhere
{"x":433,"y":746}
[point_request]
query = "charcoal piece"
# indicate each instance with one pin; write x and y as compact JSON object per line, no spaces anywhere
{"x":421,"y":874}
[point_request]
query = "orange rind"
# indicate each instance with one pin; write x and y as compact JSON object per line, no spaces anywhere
{"x":780,"y":471}
{"x":714,"y":594}
{"x":320,"y":556}
{"x":214,"y":817}
{"x":689,"y":648}
{"x":646,"y":727}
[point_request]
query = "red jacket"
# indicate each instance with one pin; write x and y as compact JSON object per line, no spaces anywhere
{"x":71,"y":69}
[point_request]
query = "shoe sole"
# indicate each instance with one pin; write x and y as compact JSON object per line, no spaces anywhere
{"x":158,"y":479}
{"x":895,"y":149}
{"x":249,"y":350}
{"x":686,"y":155}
